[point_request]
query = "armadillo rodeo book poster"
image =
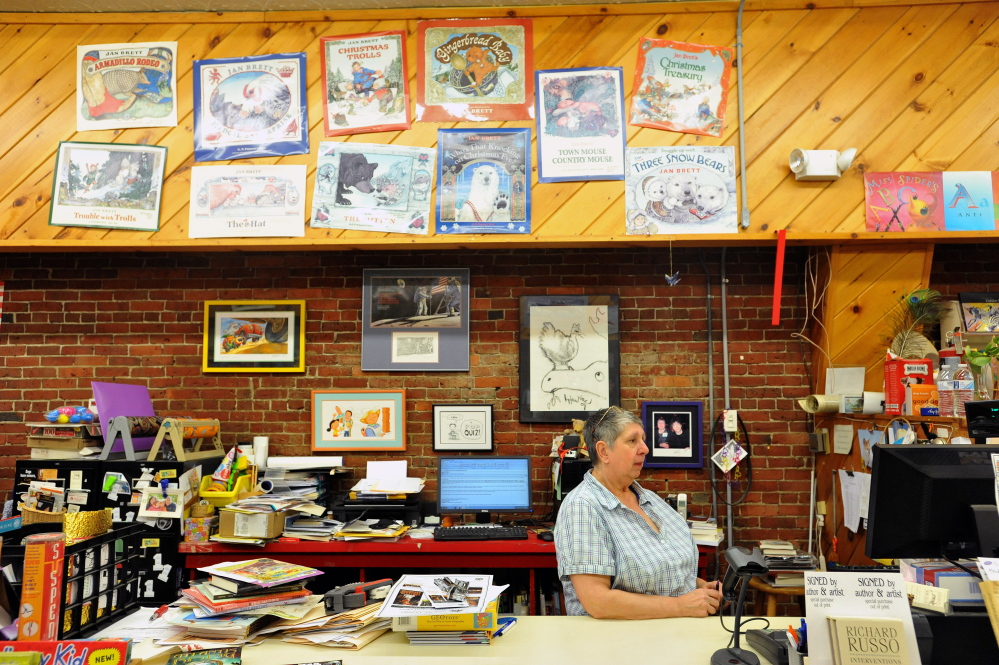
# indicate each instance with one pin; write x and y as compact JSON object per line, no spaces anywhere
{"x":126,"y":85}
{"x":367,"y":89}
{"x":250,"y":107}
{"x":475,"y":70}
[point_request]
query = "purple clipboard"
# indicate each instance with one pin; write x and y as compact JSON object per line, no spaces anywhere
{"x":123,"y":399}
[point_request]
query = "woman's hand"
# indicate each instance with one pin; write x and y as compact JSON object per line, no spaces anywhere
{"x":699,"y":603}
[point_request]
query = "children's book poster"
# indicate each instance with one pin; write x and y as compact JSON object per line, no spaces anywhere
{"x":247,"y":201}
{"x":367,"y":89}
{"x":250,"y":107}
{"x":475,"y":70}
{"x":680,"y":189}
{"x":108,"y":186}
{"x":373,"y":187}
{"x":483,"y":181}
{"x":223,"y":656}
{"x":126,"y":85}
{"x":930,"y":201}
{"x":581,"y":133}
{"x":681,"y":87}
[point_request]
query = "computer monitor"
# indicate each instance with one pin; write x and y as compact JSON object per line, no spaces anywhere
{"x":483,"y":485}
{"x":922,"y":497}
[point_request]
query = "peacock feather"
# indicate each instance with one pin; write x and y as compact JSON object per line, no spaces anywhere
{"x":914,"y":311}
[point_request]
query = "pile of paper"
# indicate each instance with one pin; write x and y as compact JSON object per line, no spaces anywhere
{"x":384,"y":531}
{"x":351,"y":630}
{"x":305,"y":527}
{"x":386,"y":479}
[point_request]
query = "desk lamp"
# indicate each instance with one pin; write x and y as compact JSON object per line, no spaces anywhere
{"x":742,"y":564}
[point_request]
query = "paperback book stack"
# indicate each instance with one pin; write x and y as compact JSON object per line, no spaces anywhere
{"x":705,"y":532}
{"x":780,"y":555}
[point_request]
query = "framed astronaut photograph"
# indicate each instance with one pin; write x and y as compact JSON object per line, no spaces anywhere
{"x":415,"y":320}
{"x":463,"y":427}
{"x":673,"y":434}
{"x":254,"y":336}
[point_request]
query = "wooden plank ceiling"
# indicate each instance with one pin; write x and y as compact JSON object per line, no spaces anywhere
{"x":912,"y":87}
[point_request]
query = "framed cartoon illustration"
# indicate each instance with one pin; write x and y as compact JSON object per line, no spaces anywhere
{"x":581,"y":125}
{"x":161,"y":503}
{"x":250,"y":107}
{"x":254,"y":336}
{"x":415,"y":320}
{"x":363,"y":420}
{"x":673,"y":433}
{"x":980,"y":311}
{"x":569,"y":357}
{"x":484,"y":181}
{"x":126,"y":85}
{"x":373,"y":187}
{"x":463,"y":427}
{"x":475,"y":70}
{"x":253,"y":201}
{"x":367,"y":88}
{"x":108,"y":186}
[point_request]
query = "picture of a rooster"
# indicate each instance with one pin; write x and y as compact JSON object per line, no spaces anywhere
{"x":559,"y":347}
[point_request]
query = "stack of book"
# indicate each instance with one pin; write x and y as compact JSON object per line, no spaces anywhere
{"x":705,"y":532}
{"x":780,"y":555}
{"x":466,"y":628}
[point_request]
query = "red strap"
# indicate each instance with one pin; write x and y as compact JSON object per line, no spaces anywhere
{"x":778,"y":276}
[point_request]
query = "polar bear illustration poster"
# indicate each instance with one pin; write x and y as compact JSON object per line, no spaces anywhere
{"x":680,"y":189}
{"x":483,"y":181}
{"x":475,"y":70}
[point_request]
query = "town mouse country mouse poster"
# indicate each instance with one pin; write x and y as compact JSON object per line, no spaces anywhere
{"x":681,"y":87}
{"x":483,"y":181}
{"x":475,"y":70}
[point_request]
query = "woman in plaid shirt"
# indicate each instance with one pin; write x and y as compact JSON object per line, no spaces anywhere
{"x":623,"y":552}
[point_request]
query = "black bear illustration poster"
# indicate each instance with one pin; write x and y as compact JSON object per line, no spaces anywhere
{"x":250,"y":107}
{"x":483,"y":181}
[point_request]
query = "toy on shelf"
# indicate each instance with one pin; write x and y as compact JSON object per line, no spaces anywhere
{"x":70,"y":414}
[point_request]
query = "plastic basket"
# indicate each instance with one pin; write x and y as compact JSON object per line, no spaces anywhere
{"x":219,"y":499}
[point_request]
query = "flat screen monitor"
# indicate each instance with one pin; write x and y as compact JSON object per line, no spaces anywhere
{"x":922,"y":497}
{"x":484,"y":485}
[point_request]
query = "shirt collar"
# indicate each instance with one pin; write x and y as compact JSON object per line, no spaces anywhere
{"x":607,"y":498}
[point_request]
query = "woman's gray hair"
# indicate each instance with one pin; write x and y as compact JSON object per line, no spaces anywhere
{"x":606,"y":425}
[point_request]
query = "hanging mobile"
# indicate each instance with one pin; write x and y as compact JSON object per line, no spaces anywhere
{"x":672,"y":278}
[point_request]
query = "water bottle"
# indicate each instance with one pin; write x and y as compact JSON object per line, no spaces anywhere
{"x":945,"y":389}
{"x":964,"y":388}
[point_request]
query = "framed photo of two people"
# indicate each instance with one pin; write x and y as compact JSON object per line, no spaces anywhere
{"x":673,"y":433}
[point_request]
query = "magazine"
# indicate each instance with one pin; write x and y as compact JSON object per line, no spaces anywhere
{"x":680,"y":189}
{"x":418,"y":595}
{"x":681,"y":87}
{"x":581,"y":132}
{"x":264,"y":572}
{"x":367,"y":89}
{"x":484,"y":181}
{"x":475,"y":70}
{"x":225,"y":656}
{"x":126,"y":85}
{"x":250,"y":107}
{"x":373,"y":187}
{"x":247,"y":201}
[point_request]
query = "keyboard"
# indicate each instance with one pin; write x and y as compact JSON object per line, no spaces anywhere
{"x":480,"y":533}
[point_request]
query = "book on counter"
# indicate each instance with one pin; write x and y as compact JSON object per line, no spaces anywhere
{"x":457,"y":637}
{"x":868,"y":641}
{"x":242,"y":604}
{"x":449,"y":622}
{"x":226,"y":625}
{"x":259,"y":572}
{"x":223,"y":656}
{"x":218,"y":594}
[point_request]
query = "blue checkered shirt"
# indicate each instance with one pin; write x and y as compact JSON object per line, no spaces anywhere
{"x":596,"y":534}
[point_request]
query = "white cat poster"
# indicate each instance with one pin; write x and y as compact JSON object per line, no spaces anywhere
{"x":373,"y":187}
{"x":247,"y":201}
{"x":680,"y":189}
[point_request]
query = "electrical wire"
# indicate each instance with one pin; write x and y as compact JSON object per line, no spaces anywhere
{"x":749,"y":461}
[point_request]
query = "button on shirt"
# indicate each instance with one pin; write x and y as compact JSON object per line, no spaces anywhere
{"x":596,"y":534}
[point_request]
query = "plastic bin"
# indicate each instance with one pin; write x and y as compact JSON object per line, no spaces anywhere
{"x":219,"y":499}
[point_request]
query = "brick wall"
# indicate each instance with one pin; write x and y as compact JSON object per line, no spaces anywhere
{"x":72,"y":318}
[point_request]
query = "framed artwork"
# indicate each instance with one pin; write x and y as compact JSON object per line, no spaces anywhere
{"x":253,"y":106}
{"x":569,"y":357}
{"x":367,"y":89}
{"x":673,"y":433}
{"x":475,"y":70}
{"x":258,"y":201}
{"x":484,"y":181}
{"x":365,"y":420}
{"x":980,"y":311}
{"x":108,"y":186}
{"x":581,"y":125}
{"x":373,"y":187}
{"x":463,"y":427}
{"x":161,"y":503}
{"x":415,"y":320}
{"x":254,"y":336}
{"x":126,"y":85}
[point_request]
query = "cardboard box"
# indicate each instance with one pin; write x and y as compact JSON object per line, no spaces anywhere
{"x":62,"y":442}
{"x":41,"y":587}
{"x":252,"y":525}
{"x":898,"y":374}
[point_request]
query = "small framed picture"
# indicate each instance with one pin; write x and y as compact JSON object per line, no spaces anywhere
{"x":461,"y":427}
{"x":980,"y":311}
{"x":673,"y":434}
{"x":161,"y":503}
{"x":367,"y":420}
{"x":254,"y":336}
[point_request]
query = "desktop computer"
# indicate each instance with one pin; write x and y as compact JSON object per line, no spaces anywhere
{"x":483,"y":485}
